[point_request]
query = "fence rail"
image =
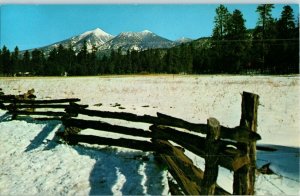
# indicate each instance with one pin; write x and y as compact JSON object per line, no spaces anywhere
{"x":240,"y":133}
{"x":231,"y":148}
{"x":26,"y":104}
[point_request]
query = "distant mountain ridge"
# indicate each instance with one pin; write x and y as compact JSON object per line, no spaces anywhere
{"x":183,"y":40}
{"x":138,"y":41}
{"x":104,"y":42}
{"x":96,"y":37}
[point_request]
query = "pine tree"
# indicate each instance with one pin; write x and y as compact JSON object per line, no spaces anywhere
{"x":37,"y":62}
{"x":112,"y":61}
{"x":219,"y":35}
{"x":15,"y":61}
{"x":65,"y":58}
{"x":186,"y":60}
{"x":6,"y":63}
{"x":26,"y":62}
{"x":286,"y":49}
{"x":52,"y":67}
{"x":135,"y":61}
{"x":263,"y":36}
{"x":286,"y":23}
{"x":128,"y":62}
{"x":71,"y":60}
{"x":92,"y":61}
{"x":221,"y":21}
{"x":82,"y":60}
{"x":53,"y":55}
{"x":118,"y":62}
{"x":237,"y":43}
{"x":265,"y":20}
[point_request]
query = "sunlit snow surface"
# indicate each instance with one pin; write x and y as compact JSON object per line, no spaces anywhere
{"x":33,"y":162}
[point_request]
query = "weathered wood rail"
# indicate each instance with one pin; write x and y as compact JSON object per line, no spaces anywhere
{"x":231,"y":148}
{"x":239,"y":133}
{"x":26,"y":104}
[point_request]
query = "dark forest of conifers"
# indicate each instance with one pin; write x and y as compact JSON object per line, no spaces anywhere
{"x":272,"y":47}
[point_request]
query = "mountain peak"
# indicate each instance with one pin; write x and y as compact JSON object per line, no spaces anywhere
{"x":141,"y":40}
{"x":146,"y":31}
{"x":97,"y":32}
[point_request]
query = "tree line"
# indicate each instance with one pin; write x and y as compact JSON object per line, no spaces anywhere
{"x":272,"y":47}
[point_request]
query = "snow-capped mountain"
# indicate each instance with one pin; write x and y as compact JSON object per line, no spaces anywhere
{"x":137,"y":41}
{"x":105,"y":42}
{"x":96,"y":37}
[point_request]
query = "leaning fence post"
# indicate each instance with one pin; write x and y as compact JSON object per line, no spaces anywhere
{"x":244,"y":178}
{"x":211,"y":158}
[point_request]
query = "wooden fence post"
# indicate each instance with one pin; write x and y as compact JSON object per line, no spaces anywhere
{"x":211,"y":159}
{"x":14,"y":109}
{"x":244,"y":178}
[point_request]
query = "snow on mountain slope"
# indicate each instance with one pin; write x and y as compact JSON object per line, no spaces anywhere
{"x":137,"y":41}
{"x":104,"y":42}
{"x":96,"y":37}
{"x":98,"y":33}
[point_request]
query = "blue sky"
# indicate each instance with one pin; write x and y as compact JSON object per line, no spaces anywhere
{"x":30,"y":26}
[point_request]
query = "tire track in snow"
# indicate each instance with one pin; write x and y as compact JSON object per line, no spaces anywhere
{"x":117,"y":187}
{"x":142,"y":172}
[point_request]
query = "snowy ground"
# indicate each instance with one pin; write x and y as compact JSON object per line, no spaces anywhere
{"x":32,"y":162}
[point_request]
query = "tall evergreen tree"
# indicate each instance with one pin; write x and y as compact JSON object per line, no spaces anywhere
{"x":220,"y":32}
{"x":6,"y":62}
{"x":71,"y":60}
{"x":237,"y":43}
{"x":186,"y":59}
{"x":26,"y":62}
{"x":92,"y":65}
{"x":286,"y":50}
{"x":62,"y":58}
{"x":263,"y":36}
{"x":221,"y":21}
{"x":135,"y":60}
{"x":82,"y":60}
{"x":52,"y":67}
{"x":53,"y":55}
{"x":286,"y":23}
{"x":265,"y":19}
{"x":15,"y":61}
{"x":37,"y":62}
{"x":128,"y":62}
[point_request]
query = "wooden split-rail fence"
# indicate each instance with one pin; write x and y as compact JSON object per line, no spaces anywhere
{"x":231,"y":148}
{"x":26,"y":104}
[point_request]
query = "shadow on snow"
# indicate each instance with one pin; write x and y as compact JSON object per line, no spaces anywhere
{"x":285,"y":160}
{"x":123,"y":172}
{"x":114,"y":171}
{"x":41,"y":137}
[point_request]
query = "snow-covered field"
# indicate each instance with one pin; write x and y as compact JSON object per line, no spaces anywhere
{"x":33,"y":162}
